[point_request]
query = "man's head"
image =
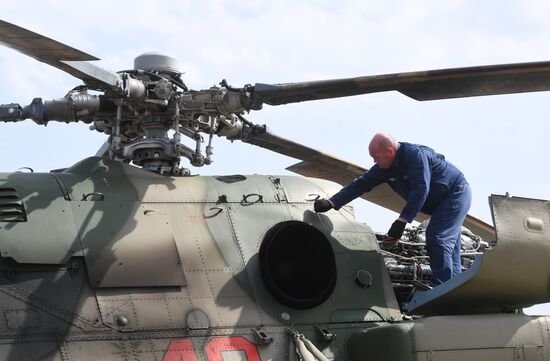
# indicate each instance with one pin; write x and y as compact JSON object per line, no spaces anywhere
{"x":383,"y":149}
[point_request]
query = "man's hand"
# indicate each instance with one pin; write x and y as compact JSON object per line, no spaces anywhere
{"x":396,"y":229}
{"x":322,"y":205}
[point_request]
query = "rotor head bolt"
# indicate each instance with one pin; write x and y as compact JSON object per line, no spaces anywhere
{"x":163,"y":89}
{"x":156,"y":155}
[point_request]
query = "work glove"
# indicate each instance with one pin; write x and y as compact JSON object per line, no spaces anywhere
{"x":396,"y":229}
{"x":322,"y":205}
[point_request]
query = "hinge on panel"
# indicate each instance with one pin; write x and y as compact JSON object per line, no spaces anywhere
{"x":324,"y":334}
{"x":280,"y":194}
{"x":262,"y":338}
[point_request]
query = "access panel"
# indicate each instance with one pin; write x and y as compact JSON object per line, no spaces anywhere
{"x":128,"y":244}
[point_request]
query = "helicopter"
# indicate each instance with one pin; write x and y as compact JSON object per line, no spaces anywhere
{"x":126,"y":255}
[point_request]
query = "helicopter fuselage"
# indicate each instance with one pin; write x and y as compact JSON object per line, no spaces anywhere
{"x":107,"y":261}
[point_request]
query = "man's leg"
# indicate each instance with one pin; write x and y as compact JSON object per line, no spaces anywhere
{"x":441,"y":259}
{"x":443,"y":234}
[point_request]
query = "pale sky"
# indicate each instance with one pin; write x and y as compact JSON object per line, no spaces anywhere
{"x":499,"y":142}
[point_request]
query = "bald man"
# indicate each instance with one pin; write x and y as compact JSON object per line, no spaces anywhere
{"x":429,"y":184}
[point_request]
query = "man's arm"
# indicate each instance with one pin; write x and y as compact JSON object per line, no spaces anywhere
{"x":358,"y":186}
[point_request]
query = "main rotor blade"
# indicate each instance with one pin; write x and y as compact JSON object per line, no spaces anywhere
{"x":317,"y":164}
{"x":262,"y":137}
{"x":54,"y":53}
{"x":421,"y":85}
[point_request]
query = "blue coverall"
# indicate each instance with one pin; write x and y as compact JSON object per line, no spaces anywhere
{"x":430,"y":184}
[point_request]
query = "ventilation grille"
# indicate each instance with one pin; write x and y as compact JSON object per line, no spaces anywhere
{"x":11,"y":207}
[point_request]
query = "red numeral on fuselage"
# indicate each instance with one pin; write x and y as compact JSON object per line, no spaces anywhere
{"x":179,"y":348}
{"x":183,"y":348}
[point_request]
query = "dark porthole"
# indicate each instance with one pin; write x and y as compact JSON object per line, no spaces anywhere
{"x":297,"y":265}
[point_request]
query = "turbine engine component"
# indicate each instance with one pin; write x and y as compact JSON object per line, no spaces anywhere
{"x":409,"y":265}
